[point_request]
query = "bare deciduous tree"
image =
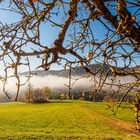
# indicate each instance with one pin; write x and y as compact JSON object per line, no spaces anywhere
{"x":108,"y":31}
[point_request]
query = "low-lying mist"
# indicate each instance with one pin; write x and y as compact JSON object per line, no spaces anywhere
{"x":56,"y":82}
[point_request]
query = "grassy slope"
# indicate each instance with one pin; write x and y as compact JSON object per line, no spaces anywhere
{"x":66,"y":120}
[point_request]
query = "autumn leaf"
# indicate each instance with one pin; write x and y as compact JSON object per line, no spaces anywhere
{"x":134,"y":18}
{"x":31,"y":1}
{"x":89,"y":54}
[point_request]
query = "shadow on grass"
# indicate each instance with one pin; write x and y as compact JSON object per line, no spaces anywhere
{"x":53,"y":101}
{"x":69,"y":101}
{"x":59,"y":101}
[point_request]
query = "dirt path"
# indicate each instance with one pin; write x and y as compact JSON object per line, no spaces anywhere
{"x":122,"y":125}
{"x":114,"y":123}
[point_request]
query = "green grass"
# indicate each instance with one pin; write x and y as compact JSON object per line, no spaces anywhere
{"x":65,"y":120}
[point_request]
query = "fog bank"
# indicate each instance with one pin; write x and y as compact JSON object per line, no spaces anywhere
{"x":56,"y":82}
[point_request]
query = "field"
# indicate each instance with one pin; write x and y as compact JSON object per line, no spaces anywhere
{"x":66,"y":120}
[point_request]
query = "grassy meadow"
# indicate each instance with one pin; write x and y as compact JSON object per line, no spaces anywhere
{"x":66,"y":120}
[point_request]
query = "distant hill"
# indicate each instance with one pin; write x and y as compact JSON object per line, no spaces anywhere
{"x":76,"y":71}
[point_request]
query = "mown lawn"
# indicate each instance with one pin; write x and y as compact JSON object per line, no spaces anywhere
{"x":66,"y":120}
